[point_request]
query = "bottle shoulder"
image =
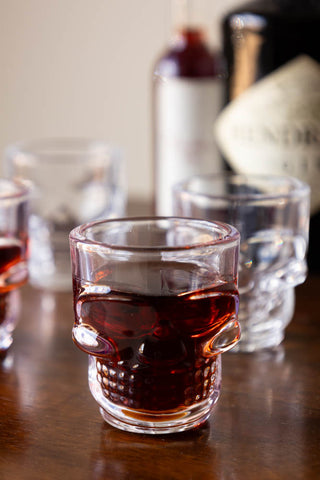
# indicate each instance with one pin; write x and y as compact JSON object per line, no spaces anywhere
{"x":190,"y":62}
{"x":189,"y":55}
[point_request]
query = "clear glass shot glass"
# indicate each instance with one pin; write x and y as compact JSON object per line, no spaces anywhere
{"x":155,"y":302}
{"x":272,"y":215}
{"x":73,"y":181}
{"x":13,"y":255}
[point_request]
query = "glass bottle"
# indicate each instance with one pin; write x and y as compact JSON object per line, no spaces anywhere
{"x":187,"y":96}
{"x":272,"y":121}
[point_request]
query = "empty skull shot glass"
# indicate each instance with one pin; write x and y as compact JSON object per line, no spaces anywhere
{"x":155,"y":304}
{"x":272,"y":215}
{"x":73,"y":180}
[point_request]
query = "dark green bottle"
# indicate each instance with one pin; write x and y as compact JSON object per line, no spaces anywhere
{"x":271,"y":123}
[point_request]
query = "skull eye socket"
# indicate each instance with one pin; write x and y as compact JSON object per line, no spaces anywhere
{"x":115,"y":317}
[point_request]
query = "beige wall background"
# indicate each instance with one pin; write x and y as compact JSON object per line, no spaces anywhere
{"x":83,"y":68}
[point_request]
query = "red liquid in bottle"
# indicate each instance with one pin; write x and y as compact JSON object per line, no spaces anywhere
{"x":189,"y":57}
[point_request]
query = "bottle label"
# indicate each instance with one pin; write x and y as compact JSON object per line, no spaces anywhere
{"x":274,"y":126}
{"x":185,"y":110}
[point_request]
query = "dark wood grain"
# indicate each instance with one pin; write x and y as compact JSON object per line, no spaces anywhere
{"x":266,"y":425}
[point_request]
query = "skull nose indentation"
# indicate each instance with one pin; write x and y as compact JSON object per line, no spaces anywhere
{"x":163,"y":351}
{"x":224,"y":339}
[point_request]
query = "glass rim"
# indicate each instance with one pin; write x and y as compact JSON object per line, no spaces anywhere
{"x":300,"y":188}
{"x":14,"y":189}
{"x":231,"y":234}
{"x":55,"y":149}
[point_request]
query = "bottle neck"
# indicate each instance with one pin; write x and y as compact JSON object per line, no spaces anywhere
{"x":191,"y":21}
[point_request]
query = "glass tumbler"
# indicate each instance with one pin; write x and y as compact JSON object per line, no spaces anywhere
{"x":13,"y":255}
{"x":155,"y":303}
{"x":74,"y":181}
{"x":272,"y":216}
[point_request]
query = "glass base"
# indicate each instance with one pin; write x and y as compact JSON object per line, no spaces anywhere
{"x":153,"y":422}
{"x":5,"y":341}
{"x":252,"y":341}
{"x":263,"y":324}
{"x":9,"y":312}
{"x":156,"y":423}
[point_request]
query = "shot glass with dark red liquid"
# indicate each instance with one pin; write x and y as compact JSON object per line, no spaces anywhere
{"x":13,"y":255}
{"x":155,"y":304}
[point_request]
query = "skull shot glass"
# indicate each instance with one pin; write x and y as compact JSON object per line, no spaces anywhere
{"x":155,"y":304}
{"x":272,"y":215}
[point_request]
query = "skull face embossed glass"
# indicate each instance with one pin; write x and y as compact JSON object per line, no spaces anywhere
{"x":272,"y":216}
{"x":74,"y":180}
{"x":155,"y":303}
{"x":13,"y":255}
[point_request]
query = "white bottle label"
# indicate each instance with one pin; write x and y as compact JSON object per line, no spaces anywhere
{"x":274,"y":126}
{"x":185,"y":111}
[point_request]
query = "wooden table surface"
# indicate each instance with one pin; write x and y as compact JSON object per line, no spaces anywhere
{"x":266,"y":424}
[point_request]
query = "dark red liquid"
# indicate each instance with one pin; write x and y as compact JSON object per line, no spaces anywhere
{"x":153,"y":352}
{"x":10,"y":254}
